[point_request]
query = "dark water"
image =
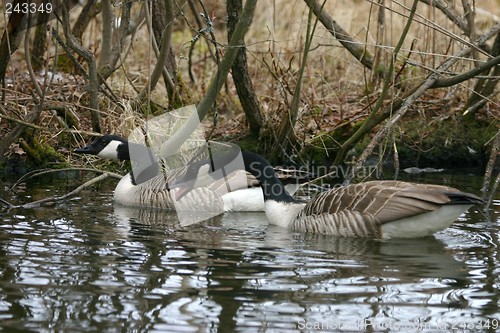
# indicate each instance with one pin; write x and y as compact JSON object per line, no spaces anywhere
{"x":87,"y":265}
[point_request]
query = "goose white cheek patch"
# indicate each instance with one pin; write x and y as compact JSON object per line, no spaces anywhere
{"x":110,"y":151}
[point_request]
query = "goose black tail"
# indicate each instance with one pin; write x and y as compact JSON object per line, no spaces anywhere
{"x":462,"y":198}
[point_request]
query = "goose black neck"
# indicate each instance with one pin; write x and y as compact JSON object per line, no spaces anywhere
{"x":123,"y":152}
{"x":261,"y":169}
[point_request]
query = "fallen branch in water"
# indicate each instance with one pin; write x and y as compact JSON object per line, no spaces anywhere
{"x":6,"y":203}
{"x":55,"y":199}
{"x":37,"y":173}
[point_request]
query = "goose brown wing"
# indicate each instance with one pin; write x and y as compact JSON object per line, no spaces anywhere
{"x":385,"y":201}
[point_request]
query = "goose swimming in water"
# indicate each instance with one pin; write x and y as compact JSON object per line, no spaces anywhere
{"x":149,"y":188}
{"x":379,"y":209}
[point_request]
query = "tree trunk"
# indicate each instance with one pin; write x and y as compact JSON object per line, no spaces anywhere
{"x":162,"y":16}
{"x":115,"y":39}
{"x":39,"y":42}
{"x":11,"y":39}
{"x":159,"y":23}
{"x":183,"y":133}
{"x":241,"y":78}
{"x":93,"y":84}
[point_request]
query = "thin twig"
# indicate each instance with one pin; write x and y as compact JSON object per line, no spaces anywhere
{"x":6,"y":203}
{"x":286,"y":135}
{"x":31,"y":72}
{"x":162,"y":56}
{"x":210,"y":30}
{"x":433,"y":77}
{"x":93,"y":78}
{"x":493,"y":191}
{"x":192,"y":6}
{"x":180,"y":136}
{"x":388,"y":80}
{"x":433,"y":25}
{"x":448,"y":10}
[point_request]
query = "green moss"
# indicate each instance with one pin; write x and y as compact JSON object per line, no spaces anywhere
{"x":42,"y":154}
{"x":443,"y":142}
{"x":64,"y":63}
{"x":447,"y":142}
{"x":323,"y":148}
{"x":249,"y":142}
{"x":35,"y":154}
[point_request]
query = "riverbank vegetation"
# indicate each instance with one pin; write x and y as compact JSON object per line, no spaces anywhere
{"x":413,"y":83}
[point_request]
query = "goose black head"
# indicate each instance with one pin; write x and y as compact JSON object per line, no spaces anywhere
{"x":260,"y":168}
{"x":107,"y":147}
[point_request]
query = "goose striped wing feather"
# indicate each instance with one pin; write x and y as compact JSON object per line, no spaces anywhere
{"x":151,"y":193}
{"x":155,"y":194}
{"x":361,"y":209}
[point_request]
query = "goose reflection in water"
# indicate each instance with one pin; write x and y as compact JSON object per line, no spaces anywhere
{"x":238,"y":258}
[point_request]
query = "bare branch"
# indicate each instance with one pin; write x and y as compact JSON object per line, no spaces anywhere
{"x":6,"y":203}
{"x":470,"y":18}
{"x":449,"y":12}
{"x":46,"y":129}
{"x":241,"y":77}
{"x":196,"y":16}
{"x":433,"y":77}
{"x":286,"y":134}
{"x":217,"y":82}
{"x":353,"y":46}
{"x":107,"y":33}
{"x":467,"y":75}
{"x":366,"y":126}
{"x":93,"y":84}
{"x":163,"y":53}
{"x":28,"y":63}
{"x":107,"y":63}
{"x":489,"y":170}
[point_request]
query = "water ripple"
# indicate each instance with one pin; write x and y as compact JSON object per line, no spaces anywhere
{"x":85,"y":267}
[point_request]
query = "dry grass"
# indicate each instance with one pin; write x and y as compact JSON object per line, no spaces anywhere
{"x":335,"y":84}
{"x":275,"y":45}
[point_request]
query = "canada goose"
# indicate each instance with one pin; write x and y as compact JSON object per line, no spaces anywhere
{"x":380,"y":209}
{"x":149,"y":188}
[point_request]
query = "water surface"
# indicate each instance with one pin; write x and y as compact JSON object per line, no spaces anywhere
{"x":89,"y":265}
